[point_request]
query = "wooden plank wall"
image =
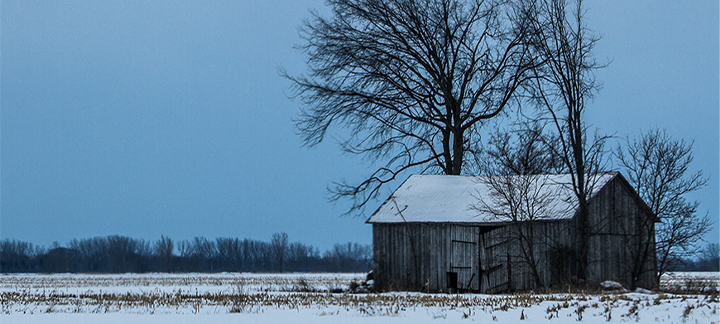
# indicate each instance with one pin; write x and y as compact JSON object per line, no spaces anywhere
{"x":504,"y":266}
{"x":464,"y":256}
{"x":619,"y":226}
{"x":417,"y":256}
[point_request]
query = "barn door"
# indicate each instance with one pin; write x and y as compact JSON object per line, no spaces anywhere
{"x":494,"y":271}
{"x":464,"y":266}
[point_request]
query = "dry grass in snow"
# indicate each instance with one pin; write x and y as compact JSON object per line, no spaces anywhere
{"x":301,"y":298}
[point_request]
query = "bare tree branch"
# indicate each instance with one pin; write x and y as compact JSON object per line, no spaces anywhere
{"x":520,"y":201}
{"x":410,"y":80}
{"x":562,"y":86}
{"x":657,"y":166}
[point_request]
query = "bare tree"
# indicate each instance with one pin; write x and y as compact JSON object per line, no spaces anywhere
{"x":16,"y":256}
{"x":349,"y":257}
{"x":303,"y":258}
{"x":711,"y":253}
{"x":229,"y":251}
{"x":256,"y":255}
{"x":516,"y":165}
{"x":657,"y":166}
{"x":411,"y":80}
{"x":92,"y":253}
{"x":120,"y":250}
{"x":278,"y":248}
{"x":562,"y":86}
{"x":204,"y":250}
{"x":709,"y":259}
{"x":522,"y":151}
{"x":164,"y":249}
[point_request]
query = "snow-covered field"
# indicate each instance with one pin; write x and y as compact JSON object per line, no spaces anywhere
{"x":319,"y":298}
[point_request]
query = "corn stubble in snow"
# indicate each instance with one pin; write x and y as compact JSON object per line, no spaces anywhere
{"x":328,"y":295}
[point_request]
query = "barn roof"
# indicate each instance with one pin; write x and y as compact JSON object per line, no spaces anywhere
{"x":450,"y":199}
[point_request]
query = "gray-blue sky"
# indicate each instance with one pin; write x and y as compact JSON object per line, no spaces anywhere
{"x":149,"y":118}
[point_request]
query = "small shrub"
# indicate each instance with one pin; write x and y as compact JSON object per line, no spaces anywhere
{"x":354,"y":286}
{"x":302,"y":285}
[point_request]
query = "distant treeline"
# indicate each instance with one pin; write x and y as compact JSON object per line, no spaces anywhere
{"x":707,"y":260}
{"x":121,"y":254}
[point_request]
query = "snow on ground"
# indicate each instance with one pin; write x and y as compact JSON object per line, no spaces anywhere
{"x":189,"y":282}
{"x":309,"y":298}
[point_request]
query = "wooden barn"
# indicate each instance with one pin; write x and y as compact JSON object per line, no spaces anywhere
{"x":437,"y":233}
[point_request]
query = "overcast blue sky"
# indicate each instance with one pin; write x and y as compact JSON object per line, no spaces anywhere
{"x":149,"y":118}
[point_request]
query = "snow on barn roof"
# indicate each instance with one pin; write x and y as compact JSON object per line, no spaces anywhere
{"x":449,"y":199}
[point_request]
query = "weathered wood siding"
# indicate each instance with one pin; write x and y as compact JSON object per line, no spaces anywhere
{"x":622,"y":236}
{"x":418,"y":256}
{"x":505,"y":267}
{"x":489,"y":259}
